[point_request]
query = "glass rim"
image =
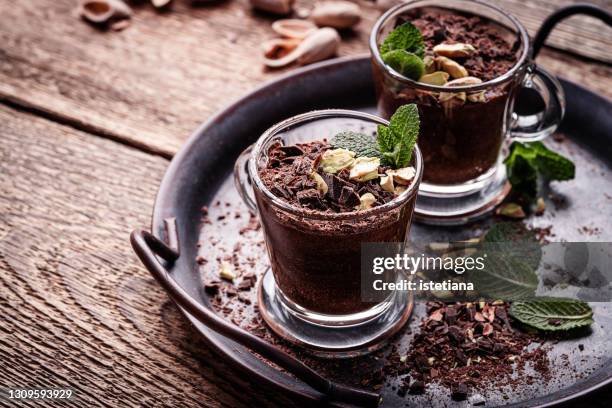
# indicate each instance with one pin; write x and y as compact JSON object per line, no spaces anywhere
{"x":401,"y":199}
{"x":374,"y":51}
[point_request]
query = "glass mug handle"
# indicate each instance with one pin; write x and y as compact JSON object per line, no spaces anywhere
{"x":243,"y":180}
{"x":538,"y":88}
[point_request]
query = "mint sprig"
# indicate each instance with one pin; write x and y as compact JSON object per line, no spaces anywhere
{"x":529,"y":161}
{"x":403,"y":50}
{"x":397,"y":140}
{"x":552,"y":314}
{"x":404,"y":37}
{"x":363,"y":145}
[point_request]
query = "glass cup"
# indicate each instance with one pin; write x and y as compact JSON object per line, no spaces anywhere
{"x":464,"y":129}
{"x":315,"y":256}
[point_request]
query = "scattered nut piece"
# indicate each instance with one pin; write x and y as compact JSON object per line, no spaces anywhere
{"x":226,"y":272}
{"x":281,"y":7}
{"x":366,"y":201}
{"x":458,"y":97}
{"x":293,"y":28}
{"x":386,"y":182}
{"x":435,"y":78}
{"x":335,"y":160}
{"x":318,"y":45}
{"x":364,"y":169}
{"x":337,"y":14}
{"x":402,"y":176}
{"x":399,"y":190}
{"x":455,"y":69}
{"x":458,"y":50}
{"x":511,"y":210}
{"x":321,"y":184}
{"x":540,"y":206}
{"x":103,"y":11}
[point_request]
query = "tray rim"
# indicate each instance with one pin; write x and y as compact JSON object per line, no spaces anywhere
{"x":214,"y":339}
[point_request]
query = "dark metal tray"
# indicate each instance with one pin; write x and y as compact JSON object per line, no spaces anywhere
{"x":200,"y":174}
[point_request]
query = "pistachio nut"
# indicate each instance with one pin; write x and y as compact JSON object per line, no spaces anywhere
{"x":430,"y":64}
{"x":386,"y":182}
{"x":435,"y":78}
{"x":335,"y":160}
{"x":458,"y":98}
{"x":366,"y":201}
{"x":365,"y":168}
{"x":321,"y":184}
{"x":458,"y":50}
{"x":455,"y":69}
{"x":293,"y":28}
{"x":337,"y":14}
{"x":226,"y":272}
{"x":402,"y":176}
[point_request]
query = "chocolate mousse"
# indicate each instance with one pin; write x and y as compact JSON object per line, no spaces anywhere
{"x":315,"y":247}
{"x":461,"y":134}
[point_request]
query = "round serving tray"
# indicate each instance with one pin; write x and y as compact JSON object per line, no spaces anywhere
{"x":201,"y":175}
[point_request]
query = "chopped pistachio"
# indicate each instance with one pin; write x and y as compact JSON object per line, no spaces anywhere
{"x":321,"y":184}
{"x":403,"y":358}
{"x":431,"y":360}
{"x":540,"y":206}
{"x":477,"y":97}
{"x":226,"y":272}
{"x":366,"y":201}
{"x":399,"y":190}
{"x":402,"y":176}
{"x":386,"y":182}
{"x":435,"y":78}
{"x":511,"y":210}
{"x":430,"y":64}
{"x":364,"y":168}
{"x":335,"y":160}
{"x":458,"y":50}
{"x":455,"y":69}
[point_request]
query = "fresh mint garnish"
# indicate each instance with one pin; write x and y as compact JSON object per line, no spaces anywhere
{"x":363,"y":145}
{"x":403,"y":50}
{"x":552,"y":314}
{"x":406,"y":63}
{"x":397,"y":140}
{"x":527,"y":161}
{"x":404,"y":37}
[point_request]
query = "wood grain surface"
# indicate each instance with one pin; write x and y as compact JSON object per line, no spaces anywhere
{"x":76,"y":307}
{"x":152,"y":84}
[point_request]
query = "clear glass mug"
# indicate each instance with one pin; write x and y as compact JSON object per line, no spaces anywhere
{"x":314,"y":256}
{"x":462,"y":140}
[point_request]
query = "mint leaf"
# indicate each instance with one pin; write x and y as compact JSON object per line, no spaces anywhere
{"x":396,"y":142}
{"x":406,"y":63}
{"x":527,"y":161}
{"x":404,"y":37}
{"x":552,"y":165}
{"x":552,"y":314}
{"x":363,"y":145}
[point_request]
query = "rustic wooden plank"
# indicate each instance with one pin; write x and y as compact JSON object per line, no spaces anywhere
{"x":151,"y":85}
{"x":76,"y":307}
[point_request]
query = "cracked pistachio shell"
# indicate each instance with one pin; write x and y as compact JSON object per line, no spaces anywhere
{"x":365,"y":168}
{"x":335,"y":160}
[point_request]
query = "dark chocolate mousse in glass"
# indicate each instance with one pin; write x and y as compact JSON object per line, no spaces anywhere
{"x":317,"y":204}
{"x":471,"y":61}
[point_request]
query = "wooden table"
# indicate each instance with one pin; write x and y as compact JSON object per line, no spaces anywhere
{"x":89,"y":120}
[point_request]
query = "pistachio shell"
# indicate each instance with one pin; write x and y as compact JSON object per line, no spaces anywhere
{"x":366,"y":201}
{"x":318,"y":45}
{"x":293,"y":28}
{"x":365,"y":168}
{"x":436,"y":78}
{"x":160,"y":3}
{"x":455,"y":69}
{"x":335,"y":160}
{"x":279,"y":47}
{"x":103,"y":11}
{"x":337,"y":14}
{"x":457,"y":50}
